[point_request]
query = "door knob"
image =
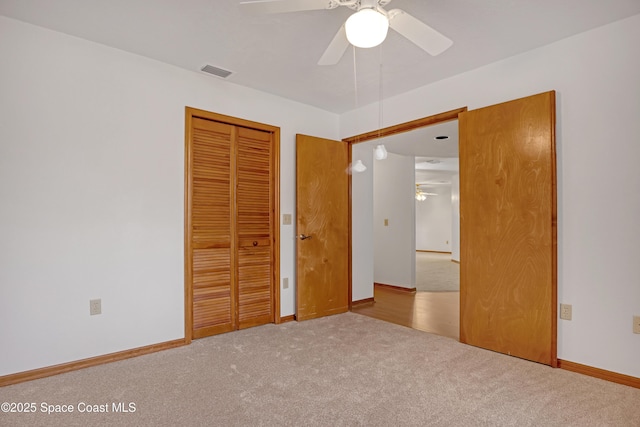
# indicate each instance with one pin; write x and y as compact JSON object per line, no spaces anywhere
{"x":303,"y":237}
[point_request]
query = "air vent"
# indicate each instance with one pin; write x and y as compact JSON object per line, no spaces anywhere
{"x":220,"y":72}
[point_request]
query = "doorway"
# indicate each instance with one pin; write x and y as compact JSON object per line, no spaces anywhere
{"x":508,"y":224}
{"x":395,"y":225}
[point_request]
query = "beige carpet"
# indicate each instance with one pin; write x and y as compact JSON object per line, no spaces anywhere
{"x":435,"y":272}
{"x":344,"y":370}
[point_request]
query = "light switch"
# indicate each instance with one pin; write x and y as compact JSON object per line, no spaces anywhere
{"x":286,"y":219}
{"x":386,"y":222}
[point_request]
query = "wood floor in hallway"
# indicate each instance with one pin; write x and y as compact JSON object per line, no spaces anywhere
{"x":434,"y":312}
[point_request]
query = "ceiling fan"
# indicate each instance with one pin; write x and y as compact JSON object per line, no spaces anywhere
{"x":367,"y":27}
{"x":421,"y":195}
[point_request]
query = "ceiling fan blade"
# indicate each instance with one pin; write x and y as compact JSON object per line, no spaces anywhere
{"x":283,"y":6}
{"x":336,"y":48}
{"x":418,"y":32}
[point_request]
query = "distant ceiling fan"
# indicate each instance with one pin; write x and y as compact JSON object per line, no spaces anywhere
{"x":421,"y":195}
{"x":367,"y":27}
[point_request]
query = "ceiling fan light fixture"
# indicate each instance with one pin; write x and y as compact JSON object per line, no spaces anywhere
{"x":366,"y":28}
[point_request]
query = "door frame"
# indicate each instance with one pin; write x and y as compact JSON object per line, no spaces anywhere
{"x":446,"y":116}
{"x":190,"y":114}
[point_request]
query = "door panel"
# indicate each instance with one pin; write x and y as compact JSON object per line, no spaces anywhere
{"x":254,"y":178}
{"x":508,"y":228}
{"x":254,"y":282}
{"x":211,"y":292}
{"x":254,"y":225}
{"x":322,"y":203}
{"x":211,"y":228}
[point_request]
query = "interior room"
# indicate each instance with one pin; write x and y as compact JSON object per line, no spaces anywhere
{"x":99,"y":110}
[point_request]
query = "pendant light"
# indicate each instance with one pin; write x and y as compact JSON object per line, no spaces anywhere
{"x":359,"y":166}
{"x":380,"y":152}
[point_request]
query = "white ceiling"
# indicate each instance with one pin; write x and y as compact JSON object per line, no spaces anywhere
{"x":422,"y":144}
{"x":278,"y":53}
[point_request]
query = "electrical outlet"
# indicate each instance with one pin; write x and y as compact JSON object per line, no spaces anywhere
{"x":386,"y":222}
{"x":636,"y":324}
{"x":565,"y":311}
{"x":95,"y":307}
{"x":285,"y":283}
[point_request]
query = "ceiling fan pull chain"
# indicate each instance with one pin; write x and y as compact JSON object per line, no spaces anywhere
{"x":355,"y":77}
{"x":381,"y":95}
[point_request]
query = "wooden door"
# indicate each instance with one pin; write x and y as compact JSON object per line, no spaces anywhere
{"x":212,"y":228}
{"x":231,"y":231}
{"x":322,"y":203}
{"x":254,"y":228}
{"x":508,"y":228}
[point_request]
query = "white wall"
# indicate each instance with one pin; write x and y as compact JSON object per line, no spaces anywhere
{"x":433,"y":221}
{"x":92,"y":193}
{"x":455,"y":217}
{"x":361,"y":230}
{"x":596,"y":78}
{"x":393,"y":199}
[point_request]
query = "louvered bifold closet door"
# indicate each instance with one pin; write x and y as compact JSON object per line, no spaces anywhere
{"x":212,"y":229}
{"x":254,"y":225}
